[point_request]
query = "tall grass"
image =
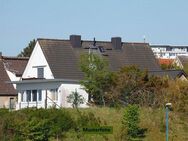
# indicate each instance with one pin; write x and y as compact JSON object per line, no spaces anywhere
{"x":151,"y":119}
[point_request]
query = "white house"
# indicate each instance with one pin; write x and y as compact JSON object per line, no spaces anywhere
{"x":41,"y":87}
{"x":53,"y":72}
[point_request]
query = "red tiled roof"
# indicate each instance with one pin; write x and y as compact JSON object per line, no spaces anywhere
{"x":166,"y":61}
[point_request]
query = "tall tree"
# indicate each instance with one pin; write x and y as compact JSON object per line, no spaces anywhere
{"x":133,"y":86}
{"x":28,"y":50}
{"x":97,"y":77}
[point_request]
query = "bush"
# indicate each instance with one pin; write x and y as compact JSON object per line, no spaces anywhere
{"x":61,"y":121}
{"x":131,"y":121}
{"x":76,"y":99}
{"x":88,"y":119}
{"x":37,"y":130}
{"x":37,"y":124}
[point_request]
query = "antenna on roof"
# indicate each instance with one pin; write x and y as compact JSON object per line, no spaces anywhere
{"x":144,"y":38}
{"x":91,"y":47}
{"x":94,"y":42}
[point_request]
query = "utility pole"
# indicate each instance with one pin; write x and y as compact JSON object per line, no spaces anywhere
{"x":168,"y":107}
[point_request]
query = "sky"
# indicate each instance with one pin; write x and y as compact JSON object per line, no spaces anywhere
{"x":159,"y":21}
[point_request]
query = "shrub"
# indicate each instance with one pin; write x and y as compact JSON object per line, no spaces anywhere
{"x":76,"y":99}
{"x":37,"y":124}
{"x":131,"y":121}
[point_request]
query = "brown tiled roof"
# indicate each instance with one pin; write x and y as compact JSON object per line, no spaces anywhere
{"x":5,"y":88}
{"x":63,"y":59}
{"x":170,"y":73}
{"x":15,"y":64}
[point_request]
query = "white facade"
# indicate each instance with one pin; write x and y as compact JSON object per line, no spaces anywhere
{"x":31,"y":95}
{"x":169,"y":52}
{"x":12,"y":77}
{"x":48,"y":92}
{"x":37,"y":59}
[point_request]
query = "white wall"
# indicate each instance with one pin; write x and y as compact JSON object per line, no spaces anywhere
{"x":12,"y":77}
{"x":66,"y":89}
{"x":63,"y":91}
{"x":37,"y":59}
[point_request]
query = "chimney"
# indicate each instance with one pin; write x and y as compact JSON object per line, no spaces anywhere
{"x":116,"y":42}
{"x":75,"y":40}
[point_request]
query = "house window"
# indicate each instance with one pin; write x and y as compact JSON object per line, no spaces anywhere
{"x":54,"y":93}
{"x":34,"y":95}
{"x":28,"y":95}
{"x":172,"y":54}
{"x":40,"y":72}
{"x":31,"y":96}
{"x":169,"y":49}
{"x":39,"y":95}
{"x":101,"y":49}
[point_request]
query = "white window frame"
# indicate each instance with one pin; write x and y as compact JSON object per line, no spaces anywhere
{"x":24,"y":96}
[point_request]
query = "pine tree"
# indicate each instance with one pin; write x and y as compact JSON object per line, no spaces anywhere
{"x":28,"y":50}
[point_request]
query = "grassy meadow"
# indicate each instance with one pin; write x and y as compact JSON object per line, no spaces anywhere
{"x":66,"y":124}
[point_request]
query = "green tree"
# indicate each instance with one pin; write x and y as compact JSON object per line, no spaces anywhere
{"x":131,"y":121}
{"x":28,"y":50}
{"x":76,"y":99}
{"x":97,"y":77}
{"x":128,"y":81}
{"x":133,"y":86}
{"x":170,"y":67}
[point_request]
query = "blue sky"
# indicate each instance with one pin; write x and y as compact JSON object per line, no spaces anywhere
{"x":160,"y":21}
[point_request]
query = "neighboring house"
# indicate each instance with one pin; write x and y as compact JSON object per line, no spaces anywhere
{"x":53,"y":72}
{"x":169,"y":52}
{"x":173,"y":74}
{"x":11,"y":69}
{"x":181,"y":61}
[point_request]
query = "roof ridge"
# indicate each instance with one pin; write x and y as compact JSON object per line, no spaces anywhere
{"x":15,"y":58}
{"x":53,"y":39}
{"x":165,"y":70}
{"x":99,"y":41}
{"x":169,"y":45}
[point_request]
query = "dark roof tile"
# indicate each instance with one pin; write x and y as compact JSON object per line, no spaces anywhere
{"x":183,"y":60}
{"x":15,"y":64}
{"x":63,"y":59}
{"x":170,"y":73}
{"x":5,"y":88}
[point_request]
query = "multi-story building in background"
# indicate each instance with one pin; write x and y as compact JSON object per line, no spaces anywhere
{"x":169,"y":52}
